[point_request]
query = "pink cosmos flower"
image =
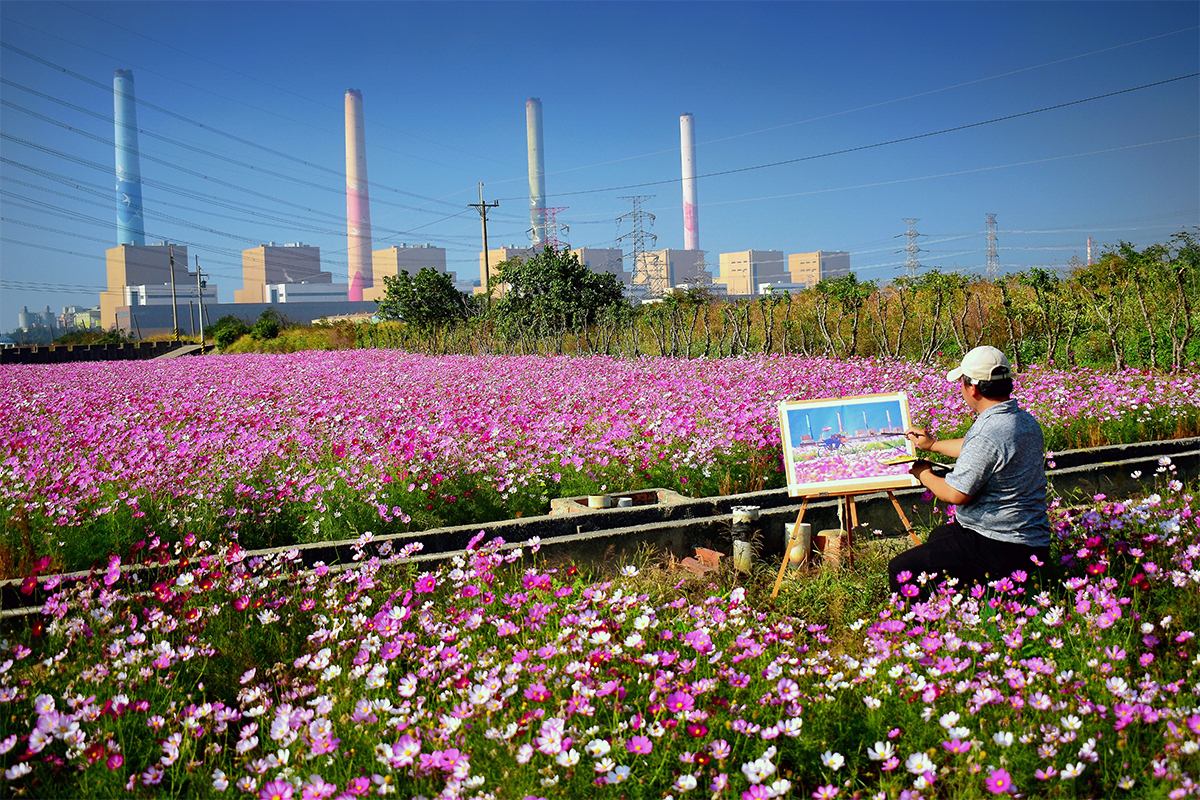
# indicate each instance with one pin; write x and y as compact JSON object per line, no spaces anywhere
{"x":998,"y":781}
{"x":276,"y":790}
{"x":679,"y":702}
{"x":640,"y":745}
{"x":827,"y":792}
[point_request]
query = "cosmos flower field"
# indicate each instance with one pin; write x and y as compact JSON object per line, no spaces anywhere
{"x":494,"y":677}
{"x":327,"y":445}
{"x":183,"y":665}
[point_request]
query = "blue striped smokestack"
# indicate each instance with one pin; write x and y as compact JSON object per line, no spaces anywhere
{"x":129,"y":173}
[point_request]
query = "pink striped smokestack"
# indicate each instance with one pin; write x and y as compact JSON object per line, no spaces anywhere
{"x":691,"y":214}
{"x":358,"y":204}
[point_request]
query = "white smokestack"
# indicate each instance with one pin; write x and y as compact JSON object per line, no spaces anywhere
{"x":691,"y":214}
{"x":537,"y":170}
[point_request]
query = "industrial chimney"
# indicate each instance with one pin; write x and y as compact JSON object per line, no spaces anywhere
{"x":537,"y":170}
{"x":691,"y":214}
{"x":130,"y":229}
{"x":358,"y":204}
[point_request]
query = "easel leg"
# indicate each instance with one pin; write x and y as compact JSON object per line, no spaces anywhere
{"x":850,"y":531}
{"x":793,"y":540}
{"x":907,"y":525}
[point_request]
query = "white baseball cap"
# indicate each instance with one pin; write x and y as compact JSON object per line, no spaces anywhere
{"x":984,"y":363}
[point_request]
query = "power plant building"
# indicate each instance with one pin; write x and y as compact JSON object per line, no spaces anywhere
{"x":604,"y":259}
{"x":391,"y":262}
{"x":658,"y":271}
{"x":272,"y":265}
{"x":495,"y":257}
{"x":743,"y":272}
{"x":808,"y":269}
{"x":141,"y":275}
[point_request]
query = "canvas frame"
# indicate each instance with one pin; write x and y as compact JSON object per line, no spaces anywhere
{"x":816,"y":467}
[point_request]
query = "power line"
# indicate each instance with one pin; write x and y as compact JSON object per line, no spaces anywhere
{"x":198,"y":124}
{"x":901,"y":140}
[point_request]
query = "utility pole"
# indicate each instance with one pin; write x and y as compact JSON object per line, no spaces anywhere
{"x":174,"y":307}
{"x":200,"y":284}
{"x":482,"y":208}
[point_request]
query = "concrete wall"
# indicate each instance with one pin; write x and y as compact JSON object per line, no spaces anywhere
{"x":63,"y":354}
{"x":156,"y":320}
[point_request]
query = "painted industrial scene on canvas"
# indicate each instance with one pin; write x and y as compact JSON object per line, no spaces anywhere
{"x":846,"y":445}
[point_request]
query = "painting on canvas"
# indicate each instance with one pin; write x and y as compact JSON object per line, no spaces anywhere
{"x":846,"y":445}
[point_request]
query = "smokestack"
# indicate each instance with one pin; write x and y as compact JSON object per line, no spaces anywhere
{"x":691,"y":214}
{"x":129,"y":174}
{"x":537,"y":170}
{"x":358,"y":204}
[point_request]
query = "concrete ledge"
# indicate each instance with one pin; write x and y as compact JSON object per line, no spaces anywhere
{"x":680,"y":527}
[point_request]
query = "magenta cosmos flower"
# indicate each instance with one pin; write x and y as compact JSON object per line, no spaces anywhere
{"x":998,"y":781}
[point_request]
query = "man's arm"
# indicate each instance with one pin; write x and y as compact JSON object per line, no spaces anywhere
{"x":923,"y":472}
{"x":923,"y":440}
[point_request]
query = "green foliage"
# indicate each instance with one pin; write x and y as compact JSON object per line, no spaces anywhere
{"x":554,"y":291}
{"x":268,"y":325}
{"x":115,"y":336}
{"x":227,"y":330}
{"x":425,"y":301}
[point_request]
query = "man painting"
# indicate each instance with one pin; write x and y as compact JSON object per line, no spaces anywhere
{"x":998,"y":483}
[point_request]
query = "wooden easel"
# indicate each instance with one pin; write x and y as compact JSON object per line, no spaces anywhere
{"x":794,"y":538}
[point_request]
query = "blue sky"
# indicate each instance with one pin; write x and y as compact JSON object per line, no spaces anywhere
{"x":444,"y":87}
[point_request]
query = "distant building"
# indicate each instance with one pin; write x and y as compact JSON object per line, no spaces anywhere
{"x":283,"y":293}
{"x":744,"y":271}
{"x":604,"y":259}
{"x":497,"y":256}
{"x":391,"y":262}
{"x":270,"y":264}
{"x":808,"y":269}
{"x":140,"y":274}
{"x":79,"y":318}
{"x":29,"y":320}
{"x":661,"y":270}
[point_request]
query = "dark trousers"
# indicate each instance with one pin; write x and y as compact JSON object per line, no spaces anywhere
{"x":957,"y":552}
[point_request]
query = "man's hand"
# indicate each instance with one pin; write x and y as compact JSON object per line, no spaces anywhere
{"x":921,"y":439}
{"x":919,"y":468}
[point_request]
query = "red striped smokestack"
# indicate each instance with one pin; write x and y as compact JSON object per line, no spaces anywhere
{"x":358,"y":205}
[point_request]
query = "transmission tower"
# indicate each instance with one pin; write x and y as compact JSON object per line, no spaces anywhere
{"x":993,"y":260}
{"x":911,"y":265}
{"x":550,"y":227}
{"x":643,"y":280}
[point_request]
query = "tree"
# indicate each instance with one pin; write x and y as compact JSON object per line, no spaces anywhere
{"x":849,"y":296}
{"x":553,"y":291}
{"x":227,"y":330}
{"x":268,"y":325}
{"x":425,"y":301}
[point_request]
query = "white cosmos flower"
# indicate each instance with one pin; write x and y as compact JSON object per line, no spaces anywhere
{"x":918,"y":764}
{"x":834,"y":761}
{"x":882,"y":751}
